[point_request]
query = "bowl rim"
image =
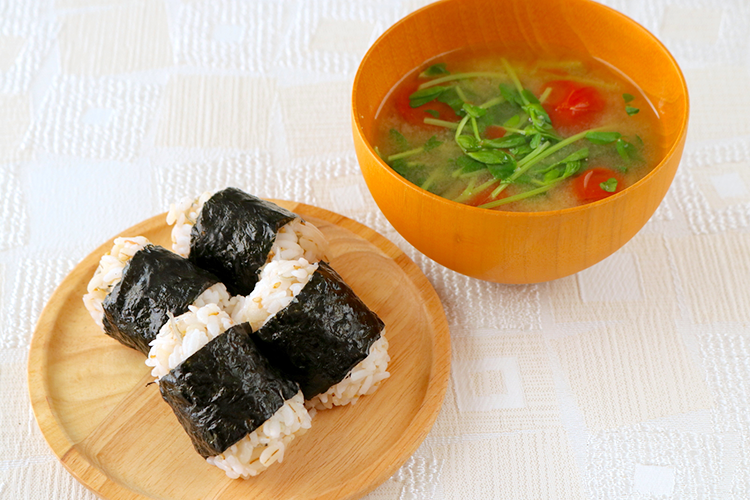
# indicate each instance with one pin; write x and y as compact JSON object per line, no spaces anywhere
{"x":668,"y":154}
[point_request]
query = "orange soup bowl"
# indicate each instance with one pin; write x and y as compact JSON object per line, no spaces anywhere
{"x":518,"y":247}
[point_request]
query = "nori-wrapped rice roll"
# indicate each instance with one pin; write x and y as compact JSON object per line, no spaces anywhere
{"x":280,"y":282}
{"x":321,"y":335}
{"x":238,"y":410}
{"x":233,"y":234}
{"x":155,"y":283}
{"x":224,"y":391}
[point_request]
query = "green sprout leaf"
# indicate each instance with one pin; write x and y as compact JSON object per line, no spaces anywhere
{"x":627,"y":97}
{"x":474,"y":111}
{"x":551,"y":176}
{"x":535,"y":141}
{"x":521,"y":151}
{"x":610,"y":185}
{"x":435,"y":70}
{"x":512,"y":121}
{"x":626,"y":150}
{"x":603,"y":137}
{"x":399,"y":139}
{"x":524,"y":179}
{"x":630,"y":110}
{"x":400,"y":167}
{"x":468,"y":165}
{"x":509,"y":141}
{"x":502,"y":170}
{"x":510,"y":95}
{"x":435,"y":113}
{"x":423,"y":96}
{"x":431,"y":143}
{"x":451,"y":98}
{"x":468,"y":142}
{"x":572,"y":168}
{"x":529,"y":97}
{"x":539,"y":116}
{"x":491,"y":157}
{"x":581,"y":154}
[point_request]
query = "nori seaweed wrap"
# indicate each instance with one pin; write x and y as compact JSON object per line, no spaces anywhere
{"x":154,"y":284}
{"x":233,"y":236}
{"x":321,"y":335}
{"x":225,"y":391}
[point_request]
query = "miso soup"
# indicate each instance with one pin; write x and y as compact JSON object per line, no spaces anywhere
{"x":518,"y":131}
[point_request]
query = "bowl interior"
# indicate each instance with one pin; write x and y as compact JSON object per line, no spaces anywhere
{"x":582,"y":26}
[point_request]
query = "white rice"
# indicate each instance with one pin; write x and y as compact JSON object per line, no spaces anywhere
{"x":267,"y":444}
{"x":295,"y":240}
{"x":109,"y":273}
{"x":184,"y":335}
{"x":215,"y":294}
{"x":363,"y":380}
{"x":279,"y":282}
{"x":183,"y":215}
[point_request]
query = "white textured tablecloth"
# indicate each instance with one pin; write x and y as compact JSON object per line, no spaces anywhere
{"x":630,"y":380}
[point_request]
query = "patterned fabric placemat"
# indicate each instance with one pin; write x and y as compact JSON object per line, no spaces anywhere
{"x":630,"y":380}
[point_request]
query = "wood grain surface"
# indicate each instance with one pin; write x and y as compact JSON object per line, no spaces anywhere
{"x":110,"y":428}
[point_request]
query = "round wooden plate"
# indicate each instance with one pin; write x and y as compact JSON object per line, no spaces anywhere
{"x":111,"y":430}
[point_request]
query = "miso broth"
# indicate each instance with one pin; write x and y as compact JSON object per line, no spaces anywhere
{"x":522,"y":132}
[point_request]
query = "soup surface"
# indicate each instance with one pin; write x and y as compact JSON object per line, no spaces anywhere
{"x":523,"y":133}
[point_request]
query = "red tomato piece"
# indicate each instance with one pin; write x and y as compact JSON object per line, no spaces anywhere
{"x":494,"y":132}
{"x":588,"y":188}
{"x":572,"y":106}
{"x":416,"y":116}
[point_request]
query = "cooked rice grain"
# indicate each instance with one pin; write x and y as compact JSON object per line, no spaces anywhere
{"x":182,"y":336}
{"x":267,"y":444}
{"x":280,"y":281}
{"x":363,"y":380}
{"x":109,"y":273}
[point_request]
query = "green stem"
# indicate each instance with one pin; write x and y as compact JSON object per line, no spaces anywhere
{"x":430,"y":180}
{"x":532,"y":157}
{"x":460,"y":76}
{"x":547,"y":168}
{"x":536,"y":156}
{"x":545,"y":95}
{"x":461,"y":125}
{"x":461,"y":94}
{"x":513,"y":76}
{"x":441,"y":123}
{"x":565,"y":142}
{"x":470,"y":191}
{"x":521,"y":168}
{"x":469,"y":175}
{"x":493,"y":102}
{"x":519,"y":196}
{"x":475,"y":128}
{"x":459,"y":173}
{"x":406,"y":154}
